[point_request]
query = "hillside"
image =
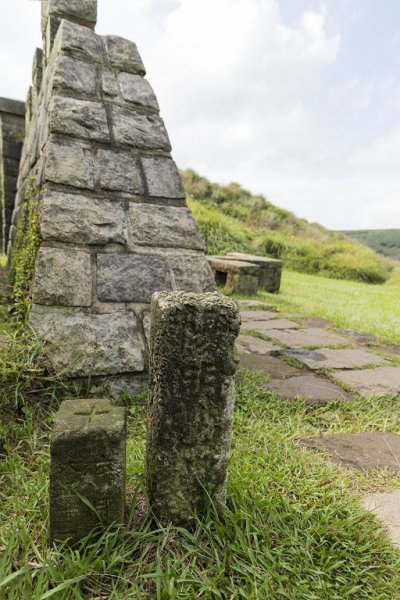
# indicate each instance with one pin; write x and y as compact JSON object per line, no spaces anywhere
{"x":383,"y":241}
{"x":232,"y":219}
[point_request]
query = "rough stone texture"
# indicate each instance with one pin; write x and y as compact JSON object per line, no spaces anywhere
{"x":82,"y":10}
{"x":138,"y":90}
{"x":90,"y":344}
{"x":190,"y":401}
{"x":263,"y":326}
{"x":273,"y":367}
{"x":146,"y":132}
{"x":77,"y":219}
{"x":191,"y":274}
{"x":257,"y":315}
{"x":363,"y":451}
{"x":241,"y":277}
{"x":270,"y":270}
{"x":247,"y":344}
{"x":124,"y":55}
{"x":12,"y":128}
{"x":73,"y":75}
{"x":61,"y":277}
{"x":88,"y":450}
{"x":78,"y":118}
{"x":79,"y":41}
{"x":119,"y":171}
{"x":69,"y":164}
{"x":165,"y":226}
{"x":371,"y":382}
{"x":130,"y":278}
{"x":386,"y":507}
{"x":305,"y":338}
{"x":329,"y":358}
{"x":317,"y":391}
{"x":162,"y":177}
{"x":109,"y":83}
{"x":113,"y":219}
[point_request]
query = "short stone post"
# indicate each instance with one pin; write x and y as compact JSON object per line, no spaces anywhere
{"x":191,"y":400}
{"x":87,"y":468}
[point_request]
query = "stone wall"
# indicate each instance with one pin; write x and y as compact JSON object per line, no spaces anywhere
{"x":12,"y":131}
{"x":113,"y":219}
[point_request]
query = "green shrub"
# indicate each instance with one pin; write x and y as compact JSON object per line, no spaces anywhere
{"x":232,"y":219}
{"x":221,"y":233}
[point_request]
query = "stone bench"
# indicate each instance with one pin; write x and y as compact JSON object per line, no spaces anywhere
{"x":270,"y":269}
{"x":240,"y":276}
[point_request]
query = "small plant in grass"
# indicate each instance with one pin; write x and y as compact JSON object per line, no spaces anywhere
{"x":25,"y":247}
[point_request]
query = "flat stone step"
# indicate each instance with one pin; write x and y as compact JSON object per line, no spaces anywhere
{"x":370,"y":382}
{"x":247,"y":344}
{"x":315,"y":390}
{"x":306,"y":338}
{"x":273,"y":367}
{"x":362,"y":451}
{"x":386,"y":507}
{"x":267,"y":325}
{"x":258,"y":315}
{"x":335,"y":358}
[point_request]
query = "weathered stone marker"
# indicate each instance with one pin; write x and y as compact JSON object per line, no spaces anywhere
{"x":87,"y":462}
{"x":191,"y":401}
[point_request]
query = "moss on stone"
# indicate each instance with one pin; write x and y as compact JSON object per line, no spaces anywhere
{"x":24,"y":251}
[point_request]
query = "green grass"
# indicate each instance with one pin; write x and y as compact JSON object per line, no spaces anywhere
{"x":350,"y":305}
{"x":232,"y":219}
{"x":293,"y":527}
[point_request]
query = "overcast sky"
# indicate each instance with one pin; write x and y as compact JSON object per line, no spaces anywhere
{"x":295,"y":99}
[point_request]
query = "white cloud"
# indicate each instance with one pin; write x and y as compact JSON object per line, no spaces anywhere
{"x":239,"y":90}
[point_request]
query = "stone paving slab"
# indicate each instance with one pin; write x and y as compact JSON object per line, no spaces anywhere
{"x":254,"y":303}
{"x":370,"y":382}
{"x":247,"y":344}
{"x":335,"y":358}
{"x":317,"y":391}
{"x":258,"y":315}
{"x":304,"y":338}
{"x":362,"y":451}
{"x":386,"y":507}
{"x":273,"y":367}
{"x":268,"y":325}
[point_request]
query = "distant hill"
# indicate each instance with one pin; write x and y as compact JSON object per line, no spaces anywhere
{"x":384,"y":241}
{"x":232,"y":219}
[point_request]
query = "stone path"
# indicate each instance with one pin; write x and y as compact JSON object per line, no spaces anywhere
{"x":343,"y":362}
{"x":305,"y":357}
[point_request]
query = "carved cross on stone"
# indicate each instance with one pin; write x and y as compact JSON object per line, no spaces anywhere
{"x":93,"y":412}
{"x":87,"y":460}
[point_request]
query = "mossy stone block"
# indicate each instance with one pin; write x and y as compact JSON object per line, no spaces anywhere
{"x":191,"y":398}
{"x":87,"y":475}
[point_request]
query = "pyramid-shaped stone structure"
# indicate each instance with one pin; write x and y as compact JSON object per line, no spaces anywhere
{"x":113,"y":219}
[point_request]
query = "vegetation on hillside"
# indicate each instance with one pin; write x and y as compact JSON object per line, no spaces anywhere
{"x":232,"y":219}
{"x":384,"y":241}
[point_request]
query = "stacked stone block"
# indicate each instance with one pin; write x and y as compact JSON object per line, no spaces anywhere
{"x":191,"y":398}
{"x":113,"y":220}
{"x":270,"y":269}
{"x":12,"y":130}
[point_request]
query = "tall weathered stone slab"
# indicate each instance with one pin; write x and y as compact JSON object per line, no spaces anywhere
{"x":191,"y":401}
{"x":113,"y":221}
{"x":87,"y":476}
{"x":12,"y":131}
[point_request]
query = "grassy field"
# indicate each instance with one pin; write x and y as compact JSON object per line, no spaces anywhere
{"x":351,"y":305}
{"x":293,"y":527}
